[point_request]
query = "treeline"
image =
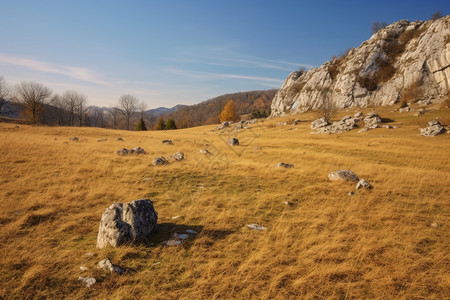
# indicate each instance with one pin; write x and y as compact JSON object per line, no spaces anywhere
{"x":39,"y":105}
{"x":208,"y":112}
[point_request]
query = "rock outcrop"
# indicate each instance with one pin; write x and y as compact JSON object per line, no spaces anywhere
{"x":343,"y":175}
{"x":345,"y":124}
{"x":397,"y":58}
{"x":126,"y":222}
{"x":125,"y":151}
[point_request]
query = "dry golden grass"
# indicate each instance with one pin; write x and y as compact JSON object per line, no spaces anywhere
{"x":375,"y":244}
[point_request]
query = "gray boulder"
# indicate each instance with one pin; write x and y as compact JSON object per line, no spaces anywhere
{"x":372,"y":120}
{"x":108,"y":266}
{"x":126,"y":222}
{"x":434,"y":128}
{"x":343,"y":175}
{"x":319,"y":123}
{"x":223,"y":125}
{"x":363,"y":184}
{"x":159,"y":161}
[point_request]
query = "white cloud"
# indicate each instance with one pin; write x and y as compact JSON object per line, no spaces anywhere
{"x":79,"y":73}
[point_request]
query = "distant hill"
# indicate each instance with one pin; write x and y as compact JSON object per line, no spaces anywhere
{"x":207,"y":112}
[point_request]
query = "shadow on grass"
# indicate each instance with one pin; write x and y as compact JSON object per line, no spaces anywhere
{"x":386,"y":120}
{"x":169,"y":231}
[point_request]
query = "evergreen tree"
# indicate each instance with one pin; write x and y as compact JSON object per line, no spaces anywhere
{"x":141,"y":125}
{"x":171,"y":124}
{"x":160,"y":125}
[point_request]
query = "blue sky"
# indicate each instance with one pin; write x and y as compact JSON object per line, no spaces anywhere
{"x":182,"y":52}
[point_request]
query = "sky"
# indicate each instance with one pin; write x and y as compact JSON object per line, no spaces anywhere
{"x":172,"y":52}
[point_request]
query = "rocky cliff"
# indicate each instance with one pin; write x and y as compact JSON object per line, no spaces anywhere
{"x":404,"y":58}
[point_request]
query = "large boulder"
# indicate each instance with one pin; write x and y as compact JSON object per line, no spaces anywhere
{"x":372,"y":120}
{"x":434,"y":128}
{"x":343,"y":175}
{"x":319,"y":123}
{"x":126,"y":223}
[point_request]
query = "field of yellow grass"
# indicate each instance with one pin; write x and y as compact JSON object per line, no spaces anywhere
{"x":391,"y":242}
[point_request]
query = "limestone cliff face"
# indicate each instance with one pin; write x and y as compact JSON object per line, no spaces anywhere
{"x":402,"y":55}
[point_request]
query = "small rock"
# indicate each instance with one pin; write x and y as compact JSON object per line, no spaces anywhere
{"x":83,"y":268}
{"x":110,"y":267}
{"x":284,"y":165}
{"x":358,"y":115}
{"x":175,"y":217}
{"x":404,"y":109}
{"x":351,"y":193}
{"x":287,"y":203}
{"x":87,"y":281}
{"x":178,"y":156}
{"x":255,"y":227}
{"x":101,"y":140}
{"x":204,"y":151}
{"x":146,"y":178}
{"x":168,"y":142}
{"x":74,"y":139}
{"x":159,"y":161}
{"x":191,"y":231}
{"x":343,"y":175}
{"x":257,"y":148}
{"x":434,"y":224}
{"x":233,"y":142}
{"x":223,"y":125}
{"x":119,"y":139}
{"x":363,"y":184}
{"x":296,"y":122}
{"x":434,"y":128}
{"x":137,"y":150}
{"x":182,"y":236}
{"x":172,"y":243}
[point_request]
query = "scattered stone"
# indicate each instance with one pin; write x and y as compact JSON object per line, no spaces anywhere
{"x":178,"y":156}
{"x":182,"y":236}
{"x":404,"y":109}
{"x":101,"y":140}
{"x":137,"y":150}
{"x":358,"y":115}
{"x":343,"y":175}
{"x":434,"y":224}
{"x":284,"y":165}
{"x":386,"y":126}
{"x":159,"y":161}
{"x":372,"y":120}
{"x":281,"y":123}
{"x":108,"y":266}
{"x":223,"y":125}
{"x":73,"y":139}
{"x":126,"y":222}
{"x":168,"y":142}
{"x":87,"y":281}
{"x":255,"y":227}
{"x":319,"y":123}
{"x":89,"y":254}
{"x":172,"y":242}
{"x":363,"y":184}
{"x":257,"y":148}
{"x":191,"y":231}
{"x":296,"y":122}
{"x":233,"y":142}
{"x":175,"y":217}
{"x":351,"y":193}
{"x":83,"y":268}
{"x":434,"y":128}
{"x":119,"y":139}
{"x":287,"y":203}
{"x":204,"y":151}
{"x":146,"y":178}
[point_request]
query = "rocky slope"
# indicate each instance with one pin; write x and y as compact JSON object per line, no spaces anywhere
{"x":405,"y":58}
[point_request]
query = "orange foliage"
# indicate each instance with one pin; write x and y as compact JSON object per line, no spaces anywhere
{"x":228,"y":113}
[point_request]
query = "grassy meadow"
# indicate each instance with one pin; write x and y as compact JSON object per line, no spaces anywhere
{"x":391,"y":242}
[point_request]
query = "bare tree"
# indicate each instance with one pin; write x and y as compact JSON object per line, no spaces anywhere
{"x":114,"y":114}
{"x":80,"y":108}
{"x":128,"y":106}
{"x":376,"y":26}
{"x":5,"y":93}
{"x":33,"y":97}
{"x":142,"y":108}
{"x":75,"y":104}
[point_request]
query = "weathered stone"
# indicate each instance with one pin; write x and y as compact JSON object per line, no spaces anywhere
{"x":319,"y":123}
{"x":358,"y":115}
{"x":168,"y":142}
{"x":178,"y":156}
{"x":126,"y":222}
{"x":137,"y":150}
{"x":160,"y":161}
{"x":223,"y":125}
{"x":434,"y":128}
{"x":108,"y":266}
{"x":345,"y":124}
{"x":404,"y":109}
{"x":256,"y":226}
{"x":101,"y":140}
{"x":119,"y":139}
{"x":87,"y":281}
{"x":372,"y":120}
{"x":204,"y":151}
{"x":74,"y":139}
{"x":296,"y":122}
{"x":363,"y":184}
{"x":284,"y":165}
{"x":233,"y":142}
{"x":343,"y":175}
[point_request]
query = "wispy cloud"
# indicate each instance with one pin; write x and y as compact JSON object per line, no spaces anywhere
{"x":210,"y":75}
{"x":79,"y":73}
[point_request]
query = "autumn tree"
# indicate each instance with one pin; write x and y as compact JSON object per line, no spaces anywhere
{"x":128,"y":105}
{"x":33,"y":97}
{"x":171,"y":124}
{"x":228,"y":113}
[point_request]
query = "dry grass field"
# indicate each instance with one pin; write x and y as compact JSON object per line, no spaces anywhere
{"x":391,"y":242}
